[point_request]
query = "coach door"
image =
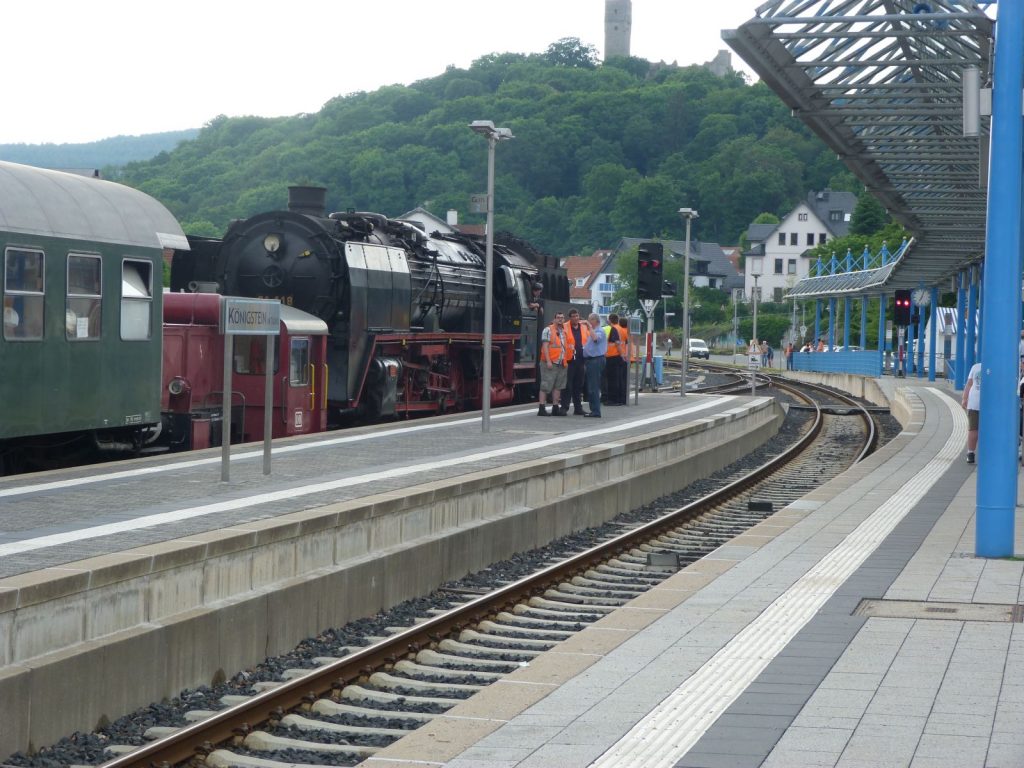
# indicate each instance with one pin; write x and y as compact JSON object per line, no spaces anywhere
{"x":303,"y":377}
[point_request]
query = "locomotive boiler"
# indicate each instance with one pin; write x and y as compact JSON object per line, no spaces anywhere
{"x":404,"y":307}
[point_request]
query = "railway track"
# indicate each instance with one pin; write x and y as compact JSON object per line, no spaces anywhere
{"x":345,"y":709}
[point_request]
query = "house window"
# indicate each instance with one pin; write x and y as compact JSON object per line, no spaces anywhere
{"x":778,"y":266}
{"x":794,"y":238}
{"x":580,"y":282}
{"x":810,"y":238}
{"x":782,"y":238}
{"x":822,"y":237}
{"x":82,"y":314}
{"x":777,"y":294}
{"x":835,"y":215}
{"x":23,"y":294}
{"x":791,"y":267}
{"x":136,"y":300}
{"x":802,"y":216}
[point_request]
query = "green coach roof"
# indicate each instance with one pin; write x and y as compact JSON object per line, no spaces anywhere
{"x":37,"y":201}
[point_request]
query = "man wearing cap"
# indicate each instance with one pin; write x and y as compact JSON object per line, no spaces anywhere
{"x":537,"y":303}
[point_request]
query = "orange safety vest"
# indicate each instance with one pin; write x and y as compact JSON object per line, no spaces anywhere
{"x":556,"y":349}
{"x":570,"y":340}
{"x":629,"y":351}
{"x":613,"y":347}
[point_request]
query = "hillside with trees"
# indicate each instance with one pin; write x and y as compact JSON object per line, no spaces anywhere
{"x":115,"y":151}
{"x":601,"y":151}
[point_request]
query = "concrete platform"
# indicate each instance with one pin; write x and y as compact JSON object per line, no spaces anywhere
{"x":775,"y":650}
{"x":105,"y":569}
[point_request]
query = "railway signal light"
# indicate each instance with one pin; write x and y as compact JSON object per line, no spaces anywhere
{"x":668,"y":288}
{"x":648,"y":274}
{"x":902,"y":315}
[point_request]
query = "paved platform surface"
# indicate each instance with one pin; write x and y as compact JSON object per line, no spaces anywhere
{"x":50,"y":519}
{"x":761,"y":654}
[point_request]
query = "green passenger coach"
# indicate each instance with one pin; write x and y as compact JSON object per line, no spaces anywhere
{"x":80,"y":352}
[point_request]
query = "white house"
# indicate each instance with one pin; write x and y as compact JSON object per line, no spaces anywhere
{"x":777,"y":252}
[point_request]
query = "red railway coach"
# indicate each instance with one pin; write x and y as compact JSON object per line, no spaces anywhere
{"x":192,"y":399}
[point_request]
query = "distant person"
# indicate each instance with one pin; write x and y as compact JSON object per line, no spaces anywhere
{"x":668,"y":347}
{"x":627,"y":357}
{"x":971,"y":401}
{"x":771,"y":356}
{"x":554,"y":360}
{"x":764,"y":353}
{"x":537,"y":301}
{"x":594,"y":351}
{"x":821,"y":345}
{"x":576,"y":334}
{"x":615,"y":360}
{"x":789,"y":356}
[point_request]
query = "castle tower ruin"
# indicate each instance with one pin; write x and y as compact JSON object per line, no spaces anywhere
{"x":618,"y":22}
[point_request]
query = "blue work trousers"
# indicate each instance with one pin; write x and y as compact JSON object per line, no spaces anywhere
{"x":595,"y":367}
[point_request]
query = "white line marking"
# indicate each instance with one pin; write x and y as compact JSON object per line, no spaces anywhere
{"x":662,"y":738}
{"x":150,"y":521}
{"x":142,"y":471}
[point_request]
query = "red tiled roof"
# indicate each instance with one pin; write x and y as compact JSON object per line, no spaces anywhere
{"x":587,"y":267}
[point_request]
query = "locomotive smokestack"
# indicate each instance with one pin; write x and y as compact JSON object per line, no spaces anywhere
{"x":311,"y":201}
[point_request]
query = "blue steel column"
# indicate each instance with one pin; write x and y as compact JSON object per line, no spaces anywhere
{"x":817,"y":324}
{"x":934,"y":317}
{"x":972,"y":314}
{"x":920,"y":342}
{"x":960,"y":378}
{"x":831,"y":323}
{"x":864,"y":322}
{"x":846,"y":322}
{"x":979,"y":332}
{"x":909,"y":359}
{"x":882,"y":301}
{"x":997,"y":454}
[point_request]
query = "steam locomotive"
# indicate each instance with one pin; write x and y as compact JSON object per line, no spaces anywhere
{"x":404,"y":308}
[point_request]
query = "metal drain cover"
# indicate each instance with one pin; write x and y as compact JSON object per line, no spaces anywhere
{"x":916,"y":609}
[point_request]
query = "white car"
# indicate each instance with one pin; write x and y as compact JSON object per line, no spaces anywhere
{"x":698,"y":348}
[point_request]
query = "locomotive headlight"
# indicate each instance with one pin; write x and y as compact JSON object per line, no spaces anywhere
{"x":177,"y":385}
{"x":272,"y":242}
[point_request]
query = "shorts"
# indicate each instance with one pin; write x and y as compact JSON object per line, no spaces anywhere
{"x":552,"y":378}
{"x":972,"y":421}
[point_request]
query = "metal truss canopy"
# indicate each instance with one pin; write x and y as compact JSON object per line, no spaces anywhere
{"x":880,"y":82}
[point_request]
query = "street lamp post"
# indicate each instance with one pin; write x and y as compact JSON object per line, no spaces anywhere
{"x":753,"y":371}
{"x":494,"y":135}
{"x":689,"y":214}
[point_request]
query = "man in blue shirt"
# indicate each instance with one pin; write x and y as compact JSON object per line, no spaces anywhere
{"x":594,"y":351}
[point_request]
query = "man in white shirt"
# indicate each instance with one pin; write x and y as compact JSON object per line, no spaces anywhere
{"x":972,"y":402}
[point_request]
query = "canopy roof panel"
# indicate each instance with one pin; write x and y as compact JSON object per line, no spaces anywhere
{"x":881,"y":82}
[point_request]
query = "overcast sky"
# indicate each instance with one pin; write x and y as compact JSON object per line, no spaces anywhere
{"x":77,"y":72}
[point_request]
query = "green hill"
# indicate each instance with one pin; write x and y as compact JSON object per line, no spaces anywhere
{"x":115,"y":151}
{"x":601,"y":151}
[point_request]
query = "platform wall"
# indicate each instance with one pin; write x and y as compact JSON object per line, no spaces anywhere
{"x":96,"y":639}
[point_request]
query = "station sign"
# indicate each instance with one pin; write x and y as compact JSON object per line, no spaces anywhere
{"x":251,"y":317}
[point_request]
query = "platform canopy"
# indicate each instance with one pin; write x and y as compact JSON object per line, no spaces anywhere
{"x":882,"y":83}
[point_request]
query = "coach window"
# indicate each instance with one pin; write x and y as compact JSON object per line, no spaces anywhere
{"x":82,"y":316}
{"x":136,"y":300}
{"x":298,"y":369}
{"x":24,"y":289}
{"x":251,"y":354}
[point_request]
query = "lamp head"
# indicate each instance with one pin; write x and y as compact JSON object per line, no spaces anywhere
{"x":485,"y":127}
{"x":688,"y":213}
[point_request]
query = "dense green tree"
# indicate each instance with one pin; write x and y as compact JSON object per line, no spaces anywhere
{"x":570,"y":52}
{"x":869,"y":216}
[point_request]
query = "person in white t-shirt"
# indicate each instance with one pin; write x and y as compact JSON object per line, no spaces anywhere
{"x":972,"y":402}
